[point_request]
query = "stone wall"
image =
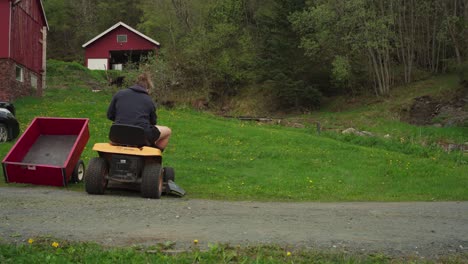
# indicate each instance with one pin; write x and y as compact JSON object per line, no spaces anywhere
{"x":10,"y":88}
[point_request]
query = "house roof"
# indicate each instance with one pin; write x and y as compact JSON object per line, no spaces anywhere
{"x":126,"y":26}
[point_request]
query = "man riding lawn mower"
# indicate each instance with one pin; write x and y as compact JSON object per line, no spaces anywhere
{"x":134,"y":155}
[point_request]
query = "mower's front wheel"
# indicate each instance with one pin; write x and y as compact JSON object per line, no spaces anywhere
{"x":169,"y":174}
{"x":95,"y":176}
{"x":152,"y":181}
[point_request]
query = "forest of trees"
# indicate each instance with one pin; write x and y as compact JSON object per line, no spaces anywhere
{"x":297,"y":50}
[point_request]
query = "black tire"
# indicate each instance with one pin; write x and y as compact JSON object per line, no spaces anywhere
{"x":95,"y":176}
{"x":152,"y":181}
{"x":3,"y":133}
{"x":169,"y":174}
{"x":78,"y":172}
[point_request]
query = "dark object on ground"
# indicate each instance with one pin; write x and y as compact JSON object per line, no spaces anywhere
{"x":128,"y":160}
{"x":118,"y":81}
{"x":427,"y":110}
{"x":48,"y":152}
{"x":174,"y":189}
{"x":423,"y":110}
{"x":9,"y":127}
{"x":169,"y":104}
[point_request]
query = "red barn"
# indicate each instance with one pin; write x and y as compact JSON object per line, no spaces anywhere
{"x":23,"y":31}
{"x":116,"y":46}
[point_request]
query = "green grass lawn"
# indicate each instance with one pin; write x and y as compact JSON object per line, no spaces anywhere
{"x":47,"y":250}
{"x":217,"y":158}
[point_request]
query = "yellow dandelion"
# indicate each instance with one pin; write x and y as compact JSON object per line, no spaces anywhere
{"x":288,"y":253}
{"x":55,"y":245}
{"x":195,"y":241}
{"x":30,"y":241}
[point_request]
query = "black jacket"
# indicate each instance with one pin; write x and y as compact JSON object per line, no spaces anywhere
{"x":133,"y":106}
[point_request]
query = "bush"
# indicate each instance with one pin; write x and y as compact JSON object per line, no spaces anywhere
{"x":463,"y":74}
{"x":294,"y":94}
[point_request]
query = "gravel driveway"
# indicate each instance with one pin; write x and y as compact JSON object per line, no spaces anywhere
{"x":425,"y":229}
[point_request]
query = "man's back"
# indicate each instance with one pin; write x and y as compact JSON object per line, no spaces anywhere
{"x":132,"y":106}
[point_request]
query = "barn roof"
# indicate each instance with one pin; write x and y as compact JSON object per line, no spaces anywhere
{"x":126,"y":26}
{"x":43,"y":13}
{"x":42,"y":8}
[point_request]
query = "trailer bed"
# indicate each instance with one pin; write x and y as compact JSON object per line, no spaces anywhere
{"x":47,"y":152}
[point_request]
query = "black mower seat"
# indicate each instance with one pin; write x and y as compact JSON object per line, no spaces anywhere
{"x":128,"y":135}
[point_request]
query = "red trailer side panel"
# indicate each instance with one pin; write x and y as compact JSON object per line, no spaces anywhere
{"x":61,"y":126}
{"x":34,"y":174}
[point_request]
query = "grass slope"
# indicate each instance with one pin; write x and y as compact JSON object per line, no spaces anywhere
{"x":382,"y":115}
{"x":220,"y":158}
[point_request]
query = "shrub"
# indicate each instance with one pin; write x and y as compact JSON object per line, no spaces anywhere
{"x":463,"y":74}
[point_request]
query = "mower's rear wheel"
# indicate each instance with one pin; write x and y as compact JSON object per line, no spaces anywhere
{"x":152,"y":181}
{"x":95,"y":176}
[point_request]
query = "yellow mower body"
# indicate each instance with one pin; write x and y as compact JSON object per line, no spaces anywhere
{"x":115,"y":149}
{"x":128,"y":160}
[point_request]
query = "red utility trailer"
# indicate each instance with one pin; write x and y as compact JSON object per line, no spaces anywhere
{"x":48,"y":152}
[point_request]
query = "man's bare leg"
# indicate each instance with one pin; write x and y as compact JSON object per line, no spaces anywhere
{"x":163,"y":139}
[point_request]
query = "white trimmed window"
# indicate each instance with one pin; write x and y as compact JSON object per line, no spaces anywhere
{"x":121,"y":38}
{"x":19,"y":73}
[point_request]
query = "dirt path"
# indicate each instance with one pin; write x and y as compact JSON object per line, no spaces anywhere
{"x":416,"y":228}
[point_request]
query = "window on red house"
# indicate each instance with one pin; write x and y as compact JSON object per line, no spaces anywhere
{"x":121,"y":38}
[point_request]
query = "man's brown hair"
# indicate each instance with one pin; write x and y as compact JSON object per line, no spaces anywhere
{"x":145,"y":81}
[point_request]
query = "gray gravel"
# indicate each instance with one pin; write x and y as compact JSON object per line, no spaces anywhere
{"x":419,"y":229}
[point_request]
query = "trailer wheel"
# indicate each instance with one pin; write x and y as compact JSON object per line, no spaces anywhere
{"x":78,"y":172}
{"x":152,"y":181}
{"x":95,"y":176}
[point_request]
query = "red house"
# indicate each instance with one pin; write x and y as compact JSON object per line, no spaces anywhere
{"x":23,"y":31}
{"x":116,"y":46}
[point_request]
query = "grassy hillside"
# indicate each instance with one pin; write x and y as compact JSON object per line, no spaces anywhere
{"x":220,"y":158}
{"x":382,"y":115}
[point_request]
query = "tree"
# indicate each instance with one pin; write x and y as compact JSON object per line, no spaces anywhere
{"x":209,"y":41}
{"x":296,"y":81}
{"x":297,"y":50}
{"x":350,"y":29}
{"x":61,"y":38}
